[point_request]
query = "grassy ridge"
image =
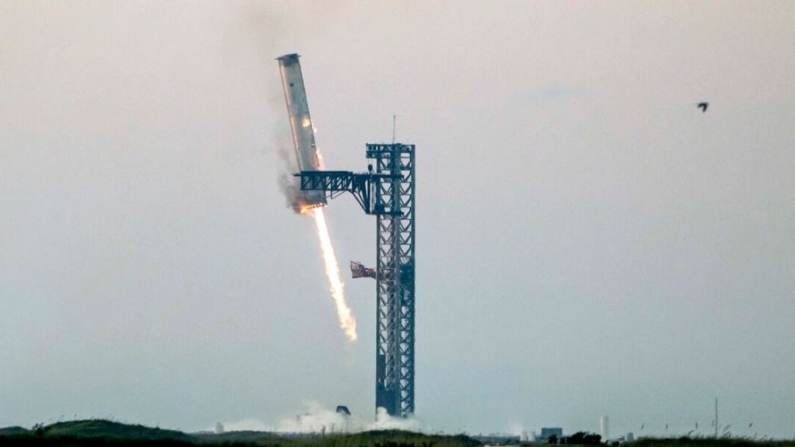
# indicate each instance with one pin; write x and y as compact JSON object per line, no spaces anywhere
{"x":395,"y":438}
{"x":709,"y":442}
{"x":98,"y":428}
{"x":91,"y":433}
{"x":101,"y":433}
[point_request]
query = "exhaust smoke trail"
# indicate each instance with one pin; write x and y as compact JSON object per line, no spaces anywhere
{"x":347,"y":322}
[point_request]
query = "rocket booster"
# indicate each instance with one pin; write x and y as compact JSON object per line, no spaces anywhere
{"x":300,"y":124}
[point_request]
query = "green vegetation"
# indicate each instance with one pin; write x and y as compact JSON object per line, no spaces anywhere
{"x":13,"y":431}
{"x":101,"y":433}
{"x":395,"y":438}
{"x":709,"y":442}
{"x":102,"y":429}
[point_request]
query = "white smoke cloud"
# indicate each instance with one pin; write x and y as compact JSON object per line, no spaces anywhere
{"x":248,"y":425}
{"x":288,"y":185}
{"x":318,"y":419}
{"x":383,"y":421}
{"x":519,"y":430}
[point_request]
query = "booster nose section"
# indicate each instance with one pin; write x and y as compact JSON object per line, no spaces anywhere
{"x":300,"y":124}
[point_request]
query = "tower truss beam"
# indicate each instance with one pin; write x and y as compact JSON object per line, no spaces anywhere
{"x":395,"y":281}
{"x":333,"y":183}
{"x":388,"y":193}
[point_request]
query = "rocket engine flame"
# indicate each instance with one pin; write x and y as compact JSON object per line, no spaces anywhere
{"x":306,"y":208}
{"x":347,"y":322}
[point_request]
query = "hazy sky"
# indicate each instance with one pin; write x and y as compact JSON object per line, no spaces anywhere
{"x":589,"y":242}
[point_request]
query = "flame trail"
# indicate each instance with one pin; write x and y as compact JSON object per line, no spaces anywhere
{"x":347,"y":322}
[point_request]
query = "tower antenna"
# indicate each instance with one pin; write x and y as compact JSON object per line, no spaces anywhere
{"x":394,"y":119}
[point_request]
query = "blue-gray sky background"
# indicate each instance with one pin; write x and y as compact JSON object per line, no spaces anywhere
{"x":589,"y":243}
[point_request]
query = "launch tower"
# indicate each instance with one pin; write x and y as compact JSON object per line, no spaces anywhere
{"x":386,"y":191}
{"x":394,"y":365}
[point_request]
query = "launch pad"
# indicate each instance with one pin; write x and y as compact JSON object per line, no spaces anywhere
{"x":386,"y":192}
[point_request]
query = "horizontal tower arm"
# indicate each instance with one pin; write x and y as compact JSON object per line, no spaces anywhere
{"x":361,"y":186}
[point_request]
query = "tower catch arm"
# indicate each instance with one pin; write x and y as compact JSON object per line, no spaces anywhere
{"x":361,"y":186}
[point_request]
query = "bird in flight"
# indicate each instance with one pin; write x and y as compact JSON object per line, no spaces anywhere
{"x":703,"y":106}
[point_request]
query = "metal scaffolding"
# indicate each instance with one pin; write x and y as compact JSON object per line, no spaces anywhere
{"x":388,"y":193}
{"x":394,"y":380}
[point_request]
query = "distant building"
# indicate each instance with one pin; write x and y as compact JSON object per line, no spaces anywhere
{"x":549,"y":432}
{"x":219,"y":428}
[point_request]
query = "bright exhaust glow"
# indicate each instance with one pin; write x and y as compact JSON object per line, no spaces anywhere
{"x":347,"y":322}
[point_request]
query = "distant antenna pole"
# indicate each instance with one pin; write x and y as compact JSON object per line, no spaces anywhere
{"x":394,"y":118}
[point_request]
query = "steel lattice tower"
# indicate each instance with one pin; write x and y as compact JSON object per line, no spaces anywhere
{"x":394,"y":380}
{"x":387,"y":191}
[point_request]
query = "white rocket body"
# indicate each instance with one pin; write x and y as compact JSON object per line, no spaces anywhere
{"x":300,"y":124}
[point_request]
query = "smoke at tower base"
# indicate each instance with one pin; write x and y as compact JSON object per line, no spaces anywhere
{"x":315,"y":418}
